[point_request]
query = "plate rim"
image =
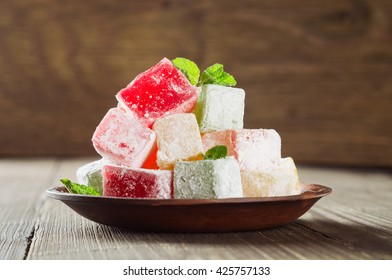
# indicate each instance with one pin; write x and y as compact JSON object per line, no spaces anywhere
{"x":310,"y":191}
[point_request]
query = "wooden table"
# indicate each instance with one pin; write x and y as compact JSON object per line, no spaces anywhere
{"x":354,"y":222}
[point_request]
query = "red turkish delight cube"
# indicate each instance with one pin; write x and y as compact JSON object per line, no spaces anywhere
{"x":137,"y":182}
{"x":161,"y":90}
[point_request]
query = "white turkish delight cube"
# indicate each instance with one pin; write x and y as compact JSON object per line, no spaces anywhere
{"x":220,"y":108}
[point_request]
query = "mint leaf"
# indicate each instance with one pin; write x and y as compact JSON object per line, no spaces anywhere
{"x":78,"y":188}
{"x":216,"y":152}
{"x":216,"y":75}
{"x":212,"y":75}
{"x":188,"y":68}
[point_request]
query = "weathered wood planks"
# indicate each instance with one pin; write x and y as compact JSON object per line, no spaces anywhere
{"x":319,"y":73}
{"x":354,"y":222}
{"x":20,"y":203}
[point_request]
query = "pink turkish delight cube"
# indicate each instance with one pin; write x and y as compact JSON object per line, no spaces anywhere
{"x":137,"y":182}
{"x":161,"y":90}
{"x":254,"y":149}
{"x":122,"y":140}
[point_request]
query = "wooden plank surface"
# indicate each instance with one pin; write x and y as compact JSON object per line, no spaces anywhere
{"x":21,"y":200}
{"x":319,"y":72}
{"x":354,"y":222}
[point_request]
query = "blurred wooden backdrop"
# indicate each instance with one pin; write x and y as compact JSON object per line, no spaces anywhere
{"x":319,"y":72}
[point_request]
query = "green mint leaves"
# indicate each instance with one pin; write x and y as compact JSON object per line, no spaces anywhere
{"x":216,"y":75}
{"x":212,"y":75}
{"x":188,"y":68}
{"x":78,"y":188}
{"x":216,"y":152}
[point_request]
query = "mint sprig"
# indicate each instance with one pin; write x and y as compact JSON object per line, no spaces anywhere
{"x":212,"y":75}
{"x":216,"y":152}
{"x":216,"y":75}
{"x":188,"y":68}
{"x":78,"y":188}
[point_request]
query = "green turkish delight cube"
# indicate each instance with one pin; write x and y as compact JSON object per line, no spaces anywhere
{"x":207,"y":179}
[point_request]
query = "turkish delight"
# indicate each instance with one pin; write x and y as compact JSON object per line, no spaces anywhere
{"x":178,"y":138}
{"x":161,"y":90}
{"x":220,"y":108}
{"x":281,"y":181}
{"x":221,"y":138}
{"x":90,"y":174}
{"x":137,"y":183}
{"x":255,"y":149}
{"x":288,"y":166}
{"x":151,"y":161}
{"x":123,"y":140}
{"x":207,"y":179}
{"x":165,"y":140}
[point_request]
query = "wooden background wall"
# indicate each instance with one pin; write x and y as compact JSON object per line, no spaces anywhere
{"x":319,"y":72}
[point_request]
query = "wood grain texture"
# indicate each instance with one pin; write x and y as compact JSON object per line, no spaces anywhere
{"x":354,"y":222}
{"x":21,"y":199}
{"x":319,"y":73}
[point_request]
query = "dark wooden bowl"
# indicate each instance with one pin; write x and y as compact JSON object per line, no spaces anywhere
{"x":192,"y":215}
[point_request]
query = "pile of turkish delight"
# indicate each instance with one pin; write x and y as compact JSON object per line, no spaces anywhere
{"x":156,"y":142}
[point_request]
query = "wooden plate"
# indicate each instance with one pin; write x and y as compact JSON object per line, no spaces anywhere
{"x":192,"y":215}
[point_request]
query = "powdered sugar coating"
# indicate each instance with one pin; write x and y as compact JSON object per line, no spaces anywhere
{"x":207,"y":179}
{"x":256,"y":149}
{"x":281,"y":181}
{"x":288,"y":166}
{"x":90,"y":174}
{"x":178,"y":138}
{"x":122,"y":140}
{"x":137,"y":183}
{"x":220,"y":108}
